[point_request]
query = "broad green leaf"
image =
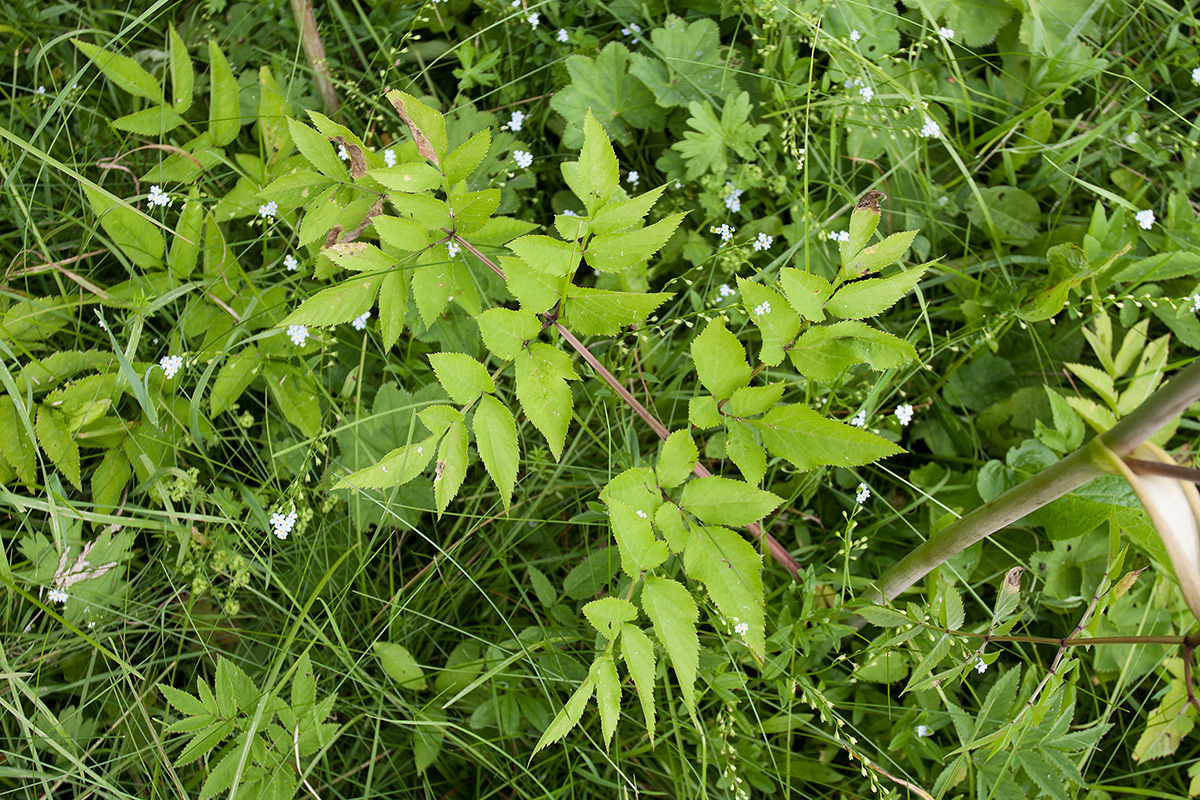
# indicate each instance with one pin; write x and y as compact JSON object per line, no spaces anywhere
{"x":400,"y":665}
{"x":396,"y":468}
{"x":123,"y":71}
{"x":542,"y":375}
{"x":601,"y":312}
{"x":463,"y":378}
{"x":706,"y":148}
{"x":594,"y":177}
{"x":608,"y":695}
{"x":415,"y":176}
{"x":273,"y":113}
{"x":496,"y":441}
{"x":506,"y":332}
{"x":568,"y":718}
{"x":877,"y":256}
{"x":809,"y":440}
{"x":806,"y":292}
{"x":295,"y":189}
{"x":317,"y":150}
{"x":976,"y":22}
{"x":295,"y":392}
{"x":686,"y":64}
{"x":1167,"y":724}
{"x":149,"y":121}
{"x":320,"y":216}
{"x":744,"y":451}
{"x":884,"y":617}
{"x":432,"y":284}
{"x":185,"y":703}
{"x":821,"y":353}
{"x":185,"y":247}
{"x":1098,"y":380}
{"x":751,"y":400}
{"x":620,"y":101}
{"x":338,"y":304}
{"x":224,"y":116}
{"x":617,"y":252}
{"x":1011,"y":214}
{"x":462,"y":666}
{"x":669,"y":520}
{"x":204,"y":742}
{"x":235,"y":375}
{"x":546,"y":255}
{"x":677,"y":459}
{"x":621,"y":215}
{"x":498,"y":231}
{"x":592,"y":575}
{"x":670,"y":606}
{"x":636,"y":488}
{"x":537,"y":291}
{"x":608,"y":614}
{"x":572,"y":227}
{"x":471,"y":210}
{"x":183,"y":76}
{"x":59,"y":443}
{"x":731,"y":570}
{"x":775,"y":319}
{"x":402,"y":234}
{"x":722,"y":501}
{"x":131,"y":231}
{"x":428,"y":735}
{"x":872,"y":296}
{"x":304,"y":687}
{"x":864,"y":219}
{"x":639,"y":549}
{"x":428,"y":127}
{"x":109,"y":481}
{"x":703,"y":412}
{"x":720,"y":360}
{"x":393,"y":305}
{"x":451,"y":465}
{"x":467,"y":156}
{"x":438,"y":418}
{"x":638,"y":652}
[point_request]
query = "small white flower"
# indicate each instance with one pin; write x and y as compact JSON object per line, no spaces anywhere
{"x":732,"y":200}
{"x":864,"y":494}
{"x":678,"y":185}
{"x":725,"y":230}
{"x":633,"y":30}
{"x":904,"y":413}
{"x":945,"y":33}
{"x":839,"y":236}
{"x":563,"y":36}
{"x":930,"y":130}
{"x":522,"y":158}
{"x":452,"y":249}
{"x":980,"y":665}
{"x":762,"y":308}
{"x":570,"y":213}
{"x":389,"y":157}
{"x":1195,"y":78}
{"x":742,"y":628}
{"x":923,"y":730}
{"x":298,"y":334}
{"x":633,"y":177}
{"x":268,"y":210}
{"x":158,"y":197}
{"x":763,"y":242}
{"x":1132,"y":138}
{"x":725,"y":291}
{"x":855,"y":36}
{"x":42,"y":89}
{"x":859,"y":420}
{"x":291,"y":263}
{"x":57,"y":595}
{"x":943,"y":200}
{"x":170,"y":365}
{"x":533,"y":19}
{"x":641,"y":513}
{"x":1195,"y":303}
{"x":342,"y":154}
{"x":360,"y":322}
{"x":1145,"y":218}
{"x":867,"y":93}
{"x":516,"y":3}
{"x":515,"y":121}
{"x":282,"y":524}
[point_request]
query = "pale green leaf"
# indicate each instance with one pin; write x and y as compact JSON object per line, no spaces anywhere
{"x":744,"y":451}
{"x":506,"y":332}
{"x":294,"y":189}
{"x":496,"y":441}
{"x":546,"y":255}
{"x":58,"y":443}
{"x":877,"y":256}
{"x":151,"y":122}
{"x":638,"y":652}
{"x":338,"y":304}
{"x":400,"y":665}
{"x":393,"y":305}
{"x":467,"y":156}
{"x":821,"y":353}
{"x":677,"y":459}
{"x":731,"y":570}
{"x":183,"y":76}
{"x":536,"y":291}
{"x":604,"y":86}
{"x":451,"y":465}
{"x":621,"y":215}
{"x":415,"y":176}
{"x":396,"y":468}
{"x":608,"y":614}
{"x":723,"y":501}
{"x":317,"y":150}
{"x":591,"y":312}
{"x":669,"y":520}
{"x":872,"y":296}
{"x":608,"y":695}
{"x":568,"y":717}
{"x":122,"y":70}
{"x":775,"y":319}
{"x":233,"y":378}
{"x":471,"y":210}
{"x":751,"y":400}
{"x":720,"y":360}
{"x":703,"y":411}
{"x":542,"y":372}
{"x":670,"y":606}
{"x":809,"y":440}
{"x":461,"y":376}
{"x":639,"y":549}
{"x":428,"y":127}
{"x":131,"y":231}
{"x":185,"y":247}
{"x":224,"y":116}
{"x":617,"y":252}
{"x":806,"y":292}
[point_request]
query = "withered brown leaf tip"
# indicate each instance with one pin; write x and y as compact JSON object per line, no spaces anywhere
{"x":871,"y":199}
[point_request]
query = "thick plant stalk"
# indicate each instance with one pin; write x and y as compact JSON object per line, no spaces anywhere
{"x":1070,"y":473}
{"x":314,"y":48}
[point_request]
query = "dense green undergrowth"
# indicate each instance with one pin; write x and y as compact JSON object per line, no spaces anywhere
{"x":527,"y":409}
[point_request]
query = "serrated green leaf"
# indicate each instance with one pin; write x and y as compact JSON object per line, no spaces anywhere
{"x":400,"y":665}
{"x":451,"y":465}
{"x":670,"y":606}
{"x":537,"y":291}
{"x":295,"y":189}
{"x":149,"y":121}
{"x":402,"y":234}
{"x":745,"y":452}
{"x":506,"y":332}
{"x":872,"y":296}
{"x":15,"y":444}
{"x":393,"y":305}
{"x":704,"y":149}
{"x":751,"y":400}
{"x":463,"y":378}
{"x":720,"y":360}
{"x":677,"y":459}
{"x":317,"y":150}
{"x":621,"y":215}
{"x":467,"y":156}
{"x":877,"y":256}
{"x":639,"y":549}
{"x":608,"y":695}
{"x":122,"y":70}
{"x":686,"y":64}
{"x":608,"y":614}
{"x":185,"y":247}
{"x":722,"y":501}
{"x":638,"y":653}
{"x":320,"y":216}
{"x":109,"y":481}
{"x":132,"y":232}
{"x":58,"y":443}
{"x":703,"y":412}
{"x":183,"y":76}
{"x":731,"y":570}
{"x":395,"y":469}
{"x":806,"y":292}
{"x":809,"y":440}
{"x":498,"y":231}
{"x":496,"y":441}
{"x":669,"y":520}
{"x":185,"y":703}
{"x":415,"y":176}
{"x":546,"y":255}
{"x":542,"y":372}
{"x":438,"y":418}
{"x":602,"y":312}
{"x":428,"y":212}
{"x":204,"y":742}
{"x":295,"y":392}
{"x":617,"y":252}
{"x":471,"y":210}
{"x":568,"y":717}
{"x":821,"y":353}
{"x":604,"y":87}
{"x":432,"y":284}
{"x":337,"y":304}
{"x":428,"y":127}
{"x":775,"y":319}
{"x":884,"y":617}
{"x":594,"y":177}
{"x":235,"y":375}
{"x":224,"y":116}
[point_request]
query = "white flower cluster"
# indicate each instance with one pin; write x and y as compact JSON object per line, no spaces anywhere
{"x":838,"y":236}
{"x":633,"y":30}
{"x":864,"y":494}
{"x":763,"y":242}
{"x":533,"y":19}
{"x":725,"y":291}
{"x":268,"y":210}
{"x":563,"y":36}
{"x":855,"y":36}
{"x":641,"y":513}
{"x":732,"y":201}
{"x":291,"y":263}
{"x":1195,"y":78}
{"x":1145,"y":218}
{"x":923,"y":730}
{"x":522,"y":158}
{"x":904,"y":413}
{"x":389,"y":157}
{"x":931,"y":130}
{"x":633,"y":177}
{"x":865,"y":91}
{"x":298,"y":334}
{"x":360,"y":322}
{"x":342,"y":154}
{"x":762,"y":308}
{"x":1195,"y":303}
{"x":742,"y":628}
{"x":980,"y":665}
{"x":945,"y":33}
{"x":859,"y":420}
{"x":570,"y":212}
{"x":282,"y":524}
{"x":57,"y":595}
{"x":515,"y":121}
{"x":170,"y":365}
{"x":725,"y":230}
{"x":452,"y":249}
{"x":158,"y":197}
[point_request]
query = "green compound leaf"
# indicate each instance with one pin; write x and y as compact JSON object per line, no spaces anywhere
{"x":639,"y":550}
{"x":808,"y":440}
{"x":609,"y":614}
{"x":776,"y":320}
{"x":317,"y":150}
{"x":872,"y":296}
{"x":536,"y":291}
{"x":720,"y":360}
{"x":432,"y":284}
{"x":677,"y":459}
{"x":723,"y":501}
{"x":402,"y":234}
{"x":621,"y":215}
{"x":618,"y":252}
{"x":548,"y":256}
{"x":569,"y":717}
{"x":731,"y":570}
{"x":603,"y":85}
{"x":594,"y":177}
{"x":496,"y":441}
{"x":461,"y":376}
{"x":877,"y":256}
{"x":471,"y":210}
{"x":467,"y":157}
{"x":224,"y":116}
{"x":806,"y":292}
{"x":670,"y":606}
{"x":338,"y":304}
{"x":599,"y":311}
{"x":608,"y":695}
{"x":506,"y":332}
{"x":638,"y":652}
{"x":822,"y":353}
{"x":395,"y":469}
{"x":59,"y":443}
{"x":149,"y":121}
{"x":687,"y":65}
{"x":703,"y":412}
{"x":400,"y":666}
{"x":451,"y":465}
{"x":122,"y":70}
{"x":753,"y":400}
{"x":545,"y":397}
{"x":705,"y":148}
{"x":410,"y":178}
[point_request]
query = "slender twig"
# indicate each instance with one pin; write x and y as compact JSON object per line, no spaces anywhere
{"x":912,"y":787}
